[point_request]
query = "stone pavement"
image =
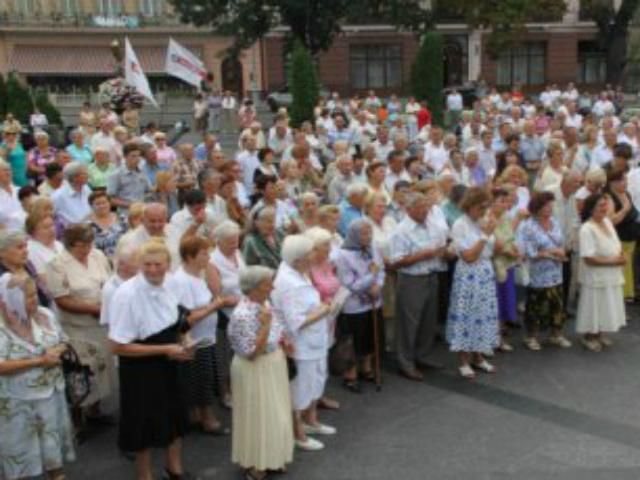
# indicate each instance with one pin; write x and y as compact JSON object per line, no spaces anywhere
{"x":556,"y":414}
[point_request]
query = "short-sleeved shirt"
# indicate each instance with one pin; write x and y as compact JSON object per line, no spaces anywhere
{"x":543,"y":272}
{"x":71,"y":206}
{"x":129,"y":185}
{"x":244,"y":325}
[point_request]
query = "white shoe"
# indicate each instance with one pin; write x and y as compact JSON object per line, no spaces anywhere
{"x":310,"y":445}
{"x":489,"y":354}
{"x":485,"y":367}
{"x":605,"y":341}
{"x":319,"y":429}
{"x":467,"y":372}
{"x":532,"y":344}
{"x":560,"y":341}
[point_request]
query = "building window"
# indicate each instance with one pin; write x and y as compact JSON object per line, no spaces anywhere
{"x":151,"y":8}
{"x":376,"y":66}
{"x":524,"y":65}
{"x":25,"y":7}
{"x":69,"y":8}
{"x":110,"y":8}
{"x":592,"y":65}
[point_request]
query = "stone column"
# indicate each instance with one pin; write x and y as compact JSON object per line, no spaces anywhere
{"x":475,"y":55}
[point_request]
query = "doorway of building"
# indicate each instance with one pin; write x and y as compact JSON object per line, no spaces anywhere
{"x":232,"y":76}
{"x":455,"y":60}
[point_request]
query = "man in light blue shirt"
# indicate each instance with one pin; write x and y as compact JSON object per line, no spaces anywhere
{"x":351,"y":207}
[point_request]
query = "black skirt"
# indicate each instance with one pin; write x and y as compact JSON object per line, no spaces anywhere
{"x":152,"y":408}
{"x":199,"y":378}
{"x":359,"y":326}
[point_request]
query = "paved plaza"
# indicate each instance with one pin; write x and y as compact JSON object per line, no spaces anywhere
{"x":550,"y":415}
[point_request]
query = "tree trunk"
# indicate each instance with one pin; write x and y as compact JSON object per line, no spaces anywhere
{"x":616,"y":55}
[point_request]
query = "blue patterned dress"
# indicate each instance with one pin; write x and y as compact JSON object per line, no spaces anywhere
{"x":472,"y":322}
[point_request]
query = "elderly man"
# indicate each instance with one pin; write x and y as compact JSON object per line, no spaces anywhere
{"x":100,"y":169}
{"x":603,"y":154}
{"x":154,"y":224}
{"x":280,"y":139}
{"x":12,"y":216}
{"x":416,"y":253}
{"x":71,"y":201}
{"x":210,"y":181}
{"x":566,"y":213}
{"x":249,"y":162}
{"x":128,"y":184}
{"x":486,"y":155}
{"x":343,"y":178}
{"x":53,"y":178}
{"x":104,"y":138}
{"x":396,"y":170}
{"x":532,"y":149}
{"x":209,"y":144}
{"x":383,"y":146}
{"x":351,"y":207}
{"x":435,"y":153}
{"x":185,"y":170}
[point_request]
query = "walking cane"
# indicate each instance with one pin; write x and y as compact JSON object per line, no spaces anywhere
{"x":376,"y":346}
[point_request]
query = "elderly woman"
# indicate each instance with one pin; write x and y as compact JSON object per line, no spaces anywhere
{"x":376,"y":173}
{"x":224,"y":279}
{"x":12,"y":214}
{"x":192,"y":292}
{"x":298,"y":303}
{"x":145,"y":333}
{"x":504,"y":262}
{"x":37,"y":437}
{"x":75,"y":278}
{"x":78,"y":148}
{"x":625,"y":218}
{"x":308,"y":204}
{"x":263,"y":243}
{"x":229,"y":193}
{"x":361,"y":270}
{"x":40,"y":155}
{"x":71,"y":201}
{"x":14,"y":258}
{"x":100,"y":169}
{"x":551,"y":175}
{"x":166,"y":154}
{"x":600,"y":306}
{"x":543,"y":245}
{"x":262,"y":428}
{"x":42,"y":245}
{"x":107,"y":226}
{"x":329,"y":219}
{"x":268,"y":197}
{"x":472,"y":323}
{"x":594,"y":182}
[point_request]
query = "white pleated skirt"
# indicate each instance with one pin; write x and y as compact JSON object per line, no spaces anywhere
{"x":600,"y":309}
{"x":262,"y":435}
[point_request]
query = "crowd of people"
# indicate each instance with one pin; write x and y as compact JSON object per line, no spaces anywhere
{"x":185,"y":276}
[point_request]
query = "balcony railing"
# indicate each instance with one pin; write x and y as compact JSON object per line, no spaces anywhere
{"x":87,"y":20}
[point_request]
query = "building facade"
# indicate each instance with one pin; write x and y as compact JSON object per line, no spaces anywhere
{"x":65,"y":44}
{"x":378,"y":57}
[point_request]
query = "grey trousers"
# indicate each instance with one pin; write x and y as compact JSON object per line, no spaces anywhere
{"x":416,"y":318}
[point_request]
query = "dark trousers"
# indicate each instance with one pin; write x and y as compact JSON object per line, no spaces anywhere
{"x":416,"y":318}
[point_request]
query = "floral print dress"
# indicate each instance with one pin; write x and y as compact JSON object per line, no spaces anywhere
{"x":36,"y":435}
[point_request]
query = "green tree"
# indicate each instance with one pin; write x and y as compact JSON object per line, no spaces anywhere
{"x":19,"y":101}
{"x":304,"y":85}
{"x":427,"y":74}
{"x":315,"y":23}
{"x":613,"y":26}
{"x":45,"y":106}
{"x":3,"y":97}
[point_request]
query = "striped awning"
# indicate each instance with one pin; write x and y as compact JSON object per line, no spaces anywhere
{"x":75,"y":61}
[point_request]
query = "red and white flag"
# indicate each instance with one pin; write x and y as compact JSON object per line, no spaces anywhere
{"x":183,"y":64}
{"x":134,"y":75}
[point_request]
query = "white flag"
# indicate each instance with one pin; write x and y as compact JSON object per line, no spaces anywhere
{"x":134,"y":75}
{"x":183,"y":64}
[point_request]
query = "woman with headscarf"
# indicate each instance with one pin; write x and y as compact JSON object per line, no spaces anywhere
{"x":37,"y":437}
{"x":263,"y":243}
{"x":361,"y":271}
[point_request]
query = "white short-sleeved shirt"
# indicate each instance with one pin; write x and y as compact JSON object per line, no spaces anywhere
{"x":465,"y":233}
{"x":140,"y":309}
{"x":108,"y":290}
{"x":12,"y":216}
{"x":40,"y":255}
{"x":192,"y":293}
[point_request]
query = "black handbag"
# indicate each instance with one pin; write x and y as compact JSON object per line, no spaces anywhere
{"x":292,"y":368}
{"x":77,"y":377}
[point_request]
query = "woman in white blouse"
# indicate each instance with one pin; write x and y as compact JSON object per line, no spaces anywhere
{"x":192,"y":292}
{"x":262,"y":424}
{"x":224,"y":279}
{"x":145,"y":334}
{"x":298,"y":303}
{"x":601,"y":303}
{"x":42,"y":244}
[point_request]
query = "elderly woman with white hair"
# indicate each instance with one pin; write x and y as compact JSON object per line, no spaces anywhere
{"x":263,"y":243}
{"x":71,"y":201}
{"x":12,"y":214}
{"x":78,"y":148}
{"x":101,"y":168}
{"x":308,"y":204}
{"x":39,"y":156}
{"x":262,"y":437}
{"x":298,"y":303}
{"x":37,"y":437}
{"x":477,"y":175}
{"x":224,"y":279}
